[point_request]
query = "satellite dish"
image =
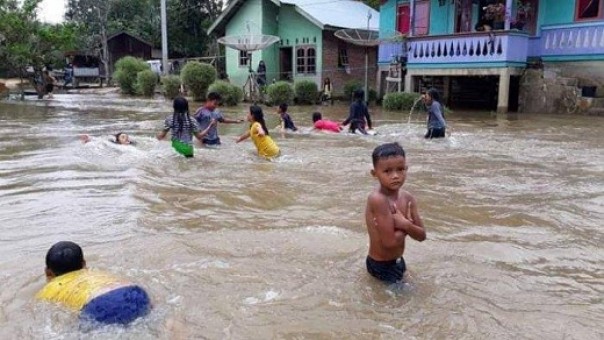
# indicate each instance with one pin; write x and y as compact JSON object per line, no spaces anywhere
{"x":360,"y":37}
{"x":248,"y":43}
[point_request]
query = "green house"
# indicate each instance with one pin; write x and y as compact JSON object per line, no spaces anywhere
{"x":307,"y":48}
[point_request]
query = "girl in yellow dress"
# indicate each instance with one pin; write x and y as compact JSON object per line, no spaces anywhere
{"x":264,"y":143}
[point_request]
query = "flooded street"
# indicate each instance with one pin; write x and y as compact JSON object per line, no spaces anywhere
{"x":233,"y":247}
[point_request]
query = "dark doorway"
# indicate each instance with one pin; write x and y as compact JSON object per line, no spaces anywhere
{"x":476,"y":93}
{"x":285,"y":63}
{"x":514,"y":94}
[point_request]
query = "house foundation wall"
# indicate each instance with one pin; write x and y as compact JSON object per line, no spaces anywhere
{"x":557,"y":88}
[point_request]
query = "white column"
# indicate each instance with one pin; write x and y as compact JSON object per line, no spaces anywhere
{"x":164,"y":38}
{"x":508,"y":14}
{"x":503,"y":96}
{"x":411,"y":17}
{"x":408,"y":82}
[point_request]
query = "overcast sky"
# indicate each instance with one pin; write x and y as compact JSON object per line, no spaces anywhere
{"x":52,"y":10}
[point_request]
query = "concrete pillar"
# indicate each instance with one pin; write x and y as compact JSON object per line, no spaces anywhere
{"x":503,"y":95}
{"x":408,"y":82}
{"x":378,"y":81}
{"x":411,"y":17}
{"x":508,"y":14}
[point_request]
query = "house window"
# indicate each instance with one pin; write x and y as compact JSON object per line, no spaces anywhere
{"x":306,"y":60}
{"x":243,"y":57}
{"x":402,"y":19}
{"x":588,"y":9}
{"x":421,"y":21}
{"x":342,"y":57}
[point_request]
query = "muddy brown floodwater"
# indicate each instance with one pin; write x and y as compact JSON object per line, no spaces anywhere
{"x":234,"y":247}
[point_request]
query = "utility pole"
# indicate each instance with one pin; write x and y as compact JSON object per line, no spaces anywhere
{"x":164,"y":38}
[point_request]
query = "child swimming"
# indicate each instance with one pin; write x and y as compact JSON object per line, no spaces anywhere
{"x":259,"y":133}
{"x":391,"y":214}
{"x":209,"y":112}
{"x":98,"y":296}
{"x":119,"y":138}
{"x":324,"y":124}
{"x":183,"y":128}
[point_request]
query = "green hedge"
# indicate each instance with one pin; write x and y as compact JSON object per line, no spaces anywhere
{"x":280,"y":92}
{"x":231,"y":94}
{"x":145,"y":83}
{"x":171,"y":86}
{"x":197,"y":77}
{"x":306,"y":91}
{"x":127,"y":69}
{"x":350,"y":87}
{"x":398,"y":101}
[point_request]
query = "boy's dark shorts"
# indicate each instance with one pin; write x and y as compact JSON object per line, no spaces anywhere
{"x":120,"y":306}
{"x":387,"y":271}
{"x":211,"y":141}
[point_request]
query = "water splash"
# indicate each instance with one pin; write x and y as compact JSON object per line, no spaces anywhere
{"x":411,"y":113}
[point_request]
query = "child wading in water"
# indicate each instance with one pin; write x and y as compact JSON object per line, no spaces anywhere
{"x":264,"y":143}
{"x":436,"y":117}
{"x":183,"y":128}
{"x":391,"y":215}
{"x":286,"y":120}
{"x":359,"y":114}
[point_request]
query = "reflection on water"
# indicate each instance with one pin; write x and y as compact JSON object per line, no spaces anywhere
{"x":231,"y":246}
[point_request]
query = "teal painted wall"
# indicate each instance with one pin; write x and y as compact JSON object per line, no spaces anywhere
{"x":292,"y":27}
{"x":270,"y":25}
{"x":442,"y":19}
{"x":388,"y":17}
{"x":267,"y":18}
{"x":250,"y":11}
{"x":556,"y":12}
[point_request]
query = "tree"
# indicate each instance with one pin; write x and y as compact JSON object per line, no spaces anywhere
{"x":375,"y":4}
{"x":26,"y":41}
{"x":188,"y":22}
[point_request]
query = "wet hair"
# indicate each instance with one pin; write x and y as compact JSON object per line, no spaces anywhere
{"x":256,"y":112}
{"x":117,"y":137}
{"x":326,"y":81}
{"x":387,"y":150}
{"x":316,"y":116}
{"x":64,"y":257}
{"x":213,"y":96}
{"x":434,"y":94}
{"x":358,"y":94}
{"x":181,"y":113}
{"x":283,"y":107}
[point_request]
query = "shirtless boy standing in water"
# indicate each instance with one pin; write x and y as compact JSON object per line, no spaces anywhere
{"x":391,"y":215}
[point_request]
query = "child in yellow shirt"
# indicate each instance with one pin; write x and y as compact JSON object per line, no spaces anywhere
{"x":259,"y":133}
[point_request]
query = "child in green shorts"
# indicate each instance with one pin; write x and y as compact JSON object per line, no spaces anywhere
{"x":183,"y":128}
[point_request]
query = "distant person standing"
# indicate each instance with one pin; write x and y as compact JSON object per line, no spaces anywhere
{"x":261,"y":74}
{"x":49,"y":83}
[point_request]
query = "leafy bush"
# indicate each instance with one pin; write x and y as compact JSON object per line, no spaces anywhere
{"x":171,"y":86}
{"x":373,"y":96}
{"x":127,"y":69}
{"x":145,"y":82}
{"x":231,"y":94}
{"x":350,"y":87}
{"x":397,"y":101}
{"x":236,"y":94}
{"x":280,"y":92}
{"x":307,"y":91}
{"x":197,"y":77}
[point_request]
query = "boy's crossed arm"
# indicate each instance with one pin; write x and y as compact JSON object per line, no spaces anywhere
{"x":411,"y":223}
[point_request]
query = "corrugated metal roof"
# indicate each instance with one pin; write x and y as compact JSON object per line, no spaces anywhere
{"x":333,"y":13}
{"x":337,"y":13}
